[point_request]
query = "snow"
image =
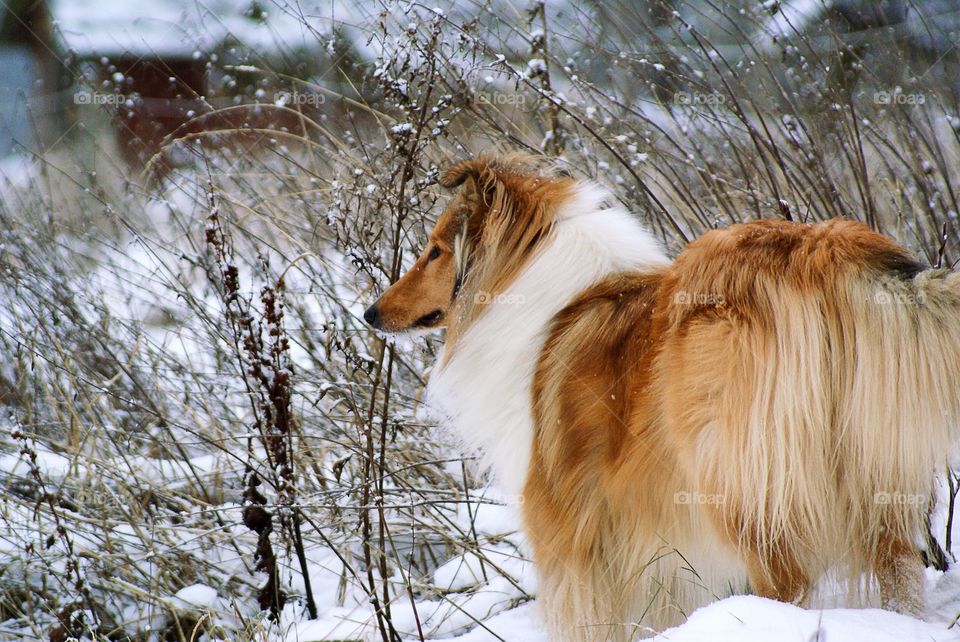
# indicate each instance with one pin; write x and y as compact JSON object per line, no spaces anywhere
{"x":929,"y":25}
{"x":748,"y":618}
{"x":50,"y":464}
{"x":519,"y":624}
{"x":794,"y":17}
{"x":184,"y":28}
{"x":197,"y":596}
{"x":338,"y":624}
{"x":478,"y":603}
{"x":536,"y":66}
{"x":89,"y":26}
{"x":472,"y":591}
{"x":460,"y":572}
{"x":736,"y":619}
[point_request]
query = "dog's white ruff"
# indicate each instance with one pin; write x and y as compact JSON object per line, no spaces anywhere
{"x":485,"y":389}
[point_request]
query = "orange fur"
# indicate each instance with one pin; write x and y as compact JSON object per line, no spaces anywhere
{"x":747,"y":407}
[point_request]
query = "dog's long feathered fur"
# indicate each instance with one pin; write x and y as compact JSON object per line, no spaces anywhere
{"x":771,"y":405}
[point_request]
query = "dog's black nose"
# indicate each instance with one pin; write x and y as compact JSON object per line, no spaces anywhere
{"x":372,"y":315}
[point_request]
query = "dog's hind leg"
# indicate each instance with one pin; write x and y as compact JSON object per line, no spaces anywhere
{"x":774,"y":569}
{"x":899,"y":571}
{"x":778,"y":576}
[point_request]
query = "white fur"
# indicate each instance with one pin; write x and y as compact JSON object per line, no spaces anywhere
{"x":485,"y":389}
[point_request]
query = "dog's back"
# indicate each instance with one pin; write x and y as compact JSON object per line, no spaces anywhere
{"x":780,"y":396}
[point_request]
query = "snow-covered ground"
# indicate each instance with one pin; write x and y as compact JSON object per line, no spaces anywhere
{"x":485,"y":609}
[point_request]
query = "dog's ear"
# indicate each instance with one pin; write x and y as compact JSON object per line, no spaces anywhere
{"x":476,"y":177}
{"x":487,"y":167}
{"x":480,"y":177}
{"x":458,"y":173}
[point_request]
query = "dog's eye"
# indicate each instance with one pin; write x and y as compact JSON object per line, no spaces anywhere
{"x":434,"y":253}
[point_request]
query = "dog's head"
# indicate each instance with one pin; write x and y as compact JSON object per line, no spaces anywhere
{"x":488,"y":231}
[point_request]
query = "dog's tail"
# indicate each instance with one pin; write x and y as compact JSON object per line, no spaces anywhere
{"x":896,"y":367}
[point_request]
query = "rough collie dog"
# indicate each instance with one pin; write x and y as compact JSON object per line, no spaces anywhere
{"x":769,"y":406}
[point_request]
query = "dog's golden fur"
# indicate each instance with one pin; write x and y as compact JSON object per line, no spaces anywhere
{"x":776,"y":399}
